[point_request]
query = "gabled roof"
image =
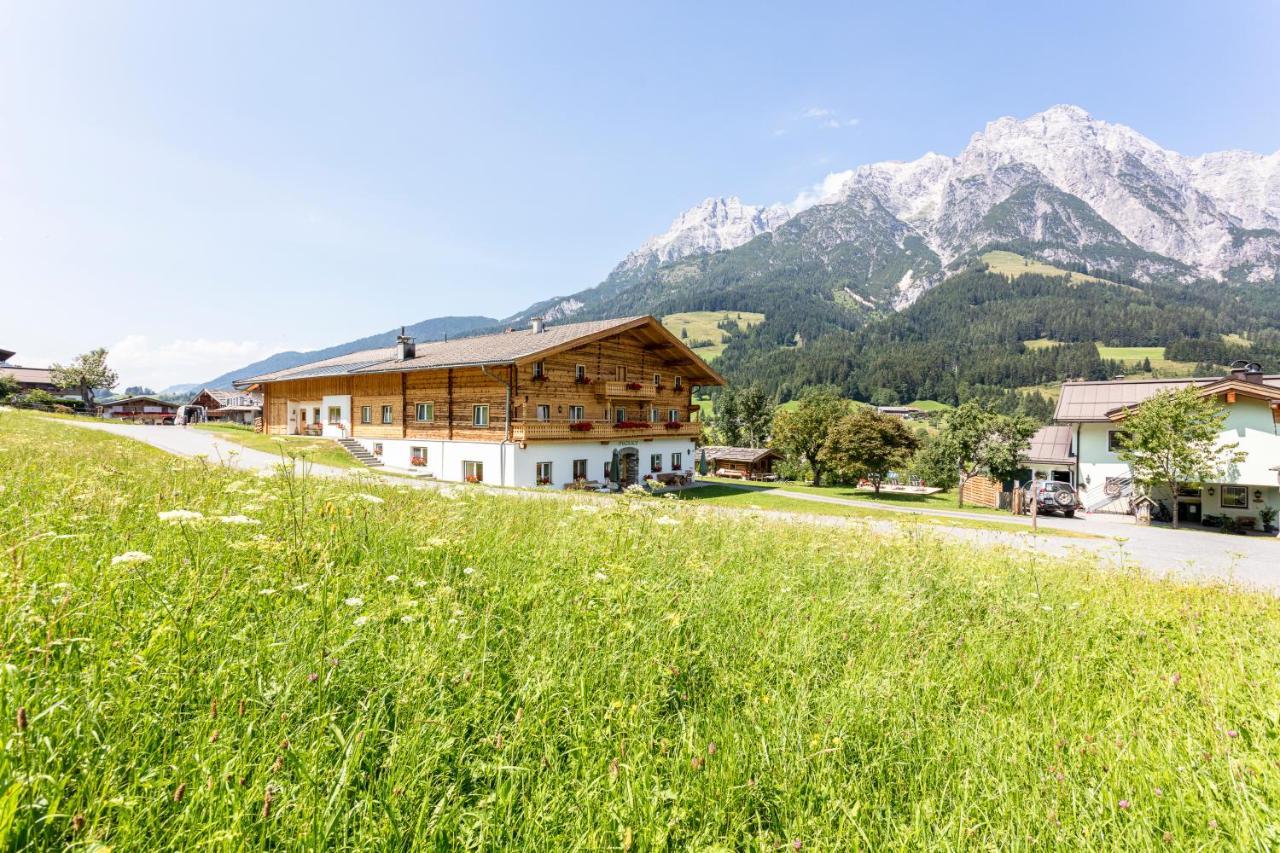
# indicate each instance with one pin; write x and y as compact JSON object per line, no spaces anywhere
{"x":513,"y":347}
{"x":229,"y":399}
{"x":1051,"y":444}
{"x":750,"y":455}
{"x":28,"y":375}
{"x":141,"y":398}
{"x":1094,"y":401}
{"x":6,"y":354}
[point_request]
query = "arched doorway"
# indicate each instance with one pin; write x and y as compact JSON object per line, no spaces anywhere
{"x":628,"y":466}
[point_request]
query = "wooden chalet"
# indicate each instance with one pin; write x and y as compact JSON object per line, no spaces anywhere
{"x":214,"y":405}
{"x":745,"y":463}
{"x":139,"y":409}
{"x":579,"y":403}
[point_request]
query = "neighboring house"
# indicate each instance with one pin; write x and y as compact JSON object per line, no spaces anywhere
{"x":143,"y":409}
{"x":1051,"y":455}
{"x":907,"y":413}
{"x":751,"y":463}
{"x":210,"y":404}
{"x":546,"y":405}
{"x":28,"y":378}
{"x":1094,"y":412}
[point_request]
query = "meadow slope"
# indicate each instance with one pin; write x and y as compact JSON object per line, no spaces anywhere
{"x":358,"y":665}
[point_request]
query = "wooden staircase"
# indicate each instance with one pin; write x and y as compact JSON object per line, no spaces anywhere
{"x":357,"y":451}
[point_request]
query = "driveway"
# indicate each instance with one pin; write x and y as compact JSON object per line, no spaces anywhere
{"x":1189,"y":554}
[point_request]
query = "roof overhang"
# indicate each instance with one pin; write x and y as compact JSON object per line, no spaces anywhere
{"x":1230,"y":388}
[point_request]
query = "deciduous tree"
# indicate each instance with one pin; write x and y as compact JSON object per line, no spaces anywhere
{"x":86,"y":373}
{"x":802,"y":431}
{"x":868,"y":444}
{"x":1172,"y":440}
{"x":978,"y":441}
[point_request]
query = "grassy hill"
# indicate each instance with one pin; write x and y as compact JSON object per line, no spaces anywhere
{"x":317,"y":663}
{"x":695,"y":326}
{"x":1131,"y":357}
{"x":1014,"y":265}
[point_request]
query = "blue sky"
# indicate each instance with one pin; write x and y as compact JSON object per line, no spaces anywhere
{"x":196,"y":185}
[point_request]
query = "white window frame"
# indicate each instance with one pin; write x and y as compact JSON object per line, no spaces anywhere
{"x":480,"y":415}
{"x":366,"y":414}
{"x":580,"y":471}
{"x":577,"y":413}
{"x":539,"y":369}
{"x":414,"y":451}
{"x":424,"y":413}
{"x":657,"y":379}
{"x":335,"y":414}
{"x":477,"y":469}
{"x":580,"y":371}
{"x":655,"y":463}
{"x":673,"y":416}
{"x":677,"y":460}
{"x":388,"y":414}
{"x":542,"y":471}
{"x":542,"y":412}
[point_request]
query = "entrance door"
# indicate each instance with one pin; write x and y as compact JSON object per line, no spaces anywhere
{"x":1189,"y":511}
{"x":629,"y":467}
{"x":302,"y":420}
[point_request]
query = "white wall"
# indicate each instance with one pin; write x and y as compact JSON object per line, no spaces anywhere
{"x":343,"y":429}
{"x":512,"y":465}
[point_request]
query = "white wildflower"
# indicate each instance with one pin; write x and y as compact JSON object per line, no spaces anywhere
{"x":584,"y":508}
{"x":267,"y":591}
{"x":373,"y":499}
{"x":406,"y":618}
{"x":667,"y":521}
{"x":600,"y":576}
{"x":393,"y":578}
{"x":419,"y":584}
{"x":179,"y":515}
{"x":301,"y":587}
{"x":237,"y":519}
{"x":130,"y":557}
{"x":354,"y":601}
{"x":469,"y":570}
{"x":361,"y":620}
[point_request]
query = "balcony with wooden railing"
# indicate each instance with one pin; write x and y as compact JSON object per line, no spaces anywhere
{"x":626,"y":390}
{"x":560,"y":430}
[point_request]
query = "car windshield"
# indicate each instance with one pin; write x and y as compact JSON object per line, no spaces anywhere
{"x":1054,"y":487}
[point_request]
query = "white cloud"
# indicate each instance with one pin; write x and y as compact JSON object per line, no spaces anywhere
{"x":827,"y":117}
{"x":818,"y":112}
{"x":158,"y":364}
{"x":824,"y":190}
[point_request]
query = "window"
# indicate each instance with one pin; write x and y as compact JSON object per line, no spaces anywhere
{"x":377,"y":448}
{"x":657,"y":379}
{"x":677,"y":383}
{"x":620,"y":372}
{"x":316,"y":416}
{"x":620,"y":414}
{"x":655,"y":462}
{"x":424,"y":412}
{"x":576,"y":413}
{"x":1115,"y":439}
{"x":335,"y":414}
{"x":388,"y":414}
{"x":544,"y":473}
{"x":417,"y":456}
{"x":473,"y":472}
{"x":539,"y":370}
{"x":1235,"y":497}
{"x":366,"y":414}
{"x":480,"y":416}
{"x":677,"y":461}
{"x":673,"y":415}
{"x":608,"y":471}
{"x":653,"y":415}
{"x":544,"y":412}
{"x":580,"y":371}
{"x":579,"y":469}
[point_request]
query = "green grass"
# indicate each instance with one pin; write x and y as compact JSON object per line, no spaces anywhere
{"x":321,"y":451}
{"x":701,"y":326}
{"x":1014,"y":265}
{"x":939,"y":501}
{"x":1131,"y":357}
{"x":931,"y":406}
{"x":645,"y":675}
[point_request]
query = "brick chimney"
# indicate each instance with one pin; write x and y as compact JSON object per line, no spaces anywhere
{"x":1246,"y":371}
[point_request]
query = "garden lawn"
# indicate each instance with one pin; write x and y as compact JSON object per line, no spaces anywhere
{"x":315,"y":663}
{"x":948,"y":500}
{"x":321,"y":451}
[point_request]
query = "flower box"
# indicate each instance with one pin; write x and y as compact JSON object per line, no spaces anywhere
{"x":580,"y":426}
{"x":417,"y":461}
{"x":631,"y":425}
{"x":539,"y":377}
{"x":582,"y":380}
{"x":658,"y":386}
{"x":544,"y":481}
{"x":473,"y":479}
{"x":674,"y":424}
{"x":634,"y":386}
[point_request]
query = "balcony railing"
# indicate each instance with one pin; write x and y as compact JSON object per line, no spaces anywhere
{"x":626,"y":390}
{"x":601,"y":430}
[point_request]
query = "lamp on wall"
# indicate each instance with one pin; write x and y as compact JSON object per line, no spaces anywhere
{"x":1211,"y":492}
{"x":1257,"y":495}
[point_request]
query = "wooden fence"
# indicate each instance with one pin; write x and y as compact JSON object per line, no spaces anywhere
{"x":982,"y":491}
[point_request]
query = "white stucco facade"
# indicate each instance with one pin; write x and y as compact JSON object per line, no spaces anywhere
{"x":510,"y":464}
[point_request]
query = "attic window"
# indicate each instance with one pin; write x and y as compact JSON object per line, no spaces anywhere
{"x":539,"y":369}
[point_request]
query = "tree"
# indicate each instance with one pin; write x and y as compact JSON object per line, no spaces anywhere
{"x":755,"y":416}
{"x":138,"y":391}
{"x":726,"y":418}
{"x":802,"y":431}
{"x":934,"y":465}
{"x":977,"y":441}
{"x":1171,"y":440}
{"x":884,"y":397}
{"x":869,"y":444}
{"x":8,"y":387}
{"x":86,"y":373}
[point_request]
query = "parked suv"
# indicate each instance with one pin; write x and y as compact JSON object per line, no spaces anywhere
{"x":1051,"y":497}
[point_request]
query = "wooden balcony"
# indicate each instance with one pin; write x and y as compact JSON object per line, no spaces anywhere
{"x":620,"y":391}
{"x":600,"y":430}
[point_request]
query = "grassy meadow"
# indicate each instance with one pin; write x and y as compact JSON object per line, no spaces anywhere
{"x":321,"y":451}
{"x":701,"y":326}
{"x":356,"y":664}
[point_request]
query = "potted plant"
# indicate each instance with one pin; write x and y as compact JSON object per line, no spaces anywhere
{"x":539,"y":377}
{"x":417,"y":461}
{"x":674,"y":425}
{"x":634,"y":386}
{"x":580,"y":426}
{"x":1267,"y":515}
{"x":582,"y":380}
